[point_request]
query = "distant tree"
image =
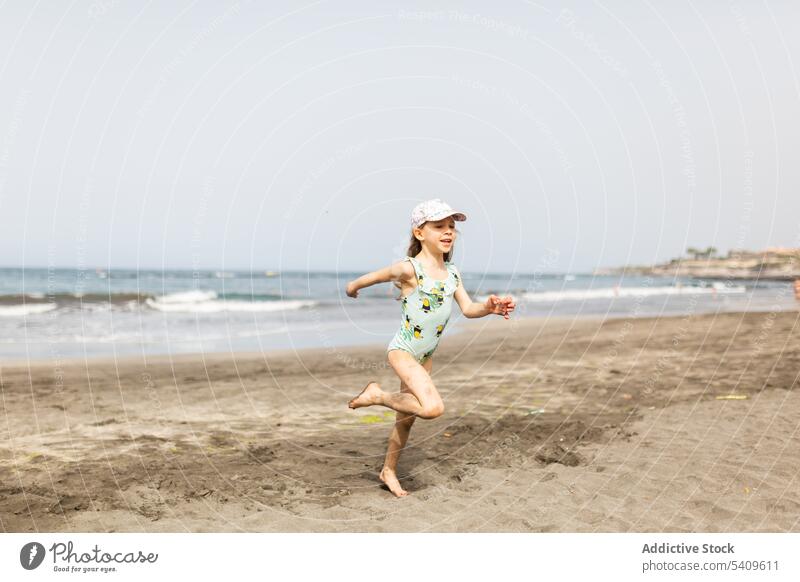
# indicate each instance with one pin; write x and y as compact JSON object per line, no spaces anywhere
{"x":710,"y":252}
{"x":695,"y":253}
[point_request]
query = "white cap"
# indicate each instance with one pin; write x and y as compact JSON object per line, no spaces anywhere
{"x":432,"y":210}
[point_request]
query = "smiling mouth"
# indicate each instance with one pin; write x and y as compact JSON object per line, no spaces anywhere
{"x":447,"y":241}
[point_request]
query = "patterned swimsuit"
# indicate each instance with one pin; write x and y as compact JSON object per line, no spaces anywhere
{"x":426,"y":311}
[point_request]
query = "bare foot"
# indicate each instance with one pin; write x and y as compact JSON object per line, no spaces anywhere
{"x":368,"y":397}
{"x":388,"y":476}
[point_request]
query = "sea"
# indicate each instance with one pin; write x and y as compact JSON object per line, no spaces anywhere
{"x":79,"y":313}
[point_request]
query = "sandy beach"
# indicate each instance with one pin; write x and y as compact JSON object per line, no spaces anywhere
{"x":651,"y":424}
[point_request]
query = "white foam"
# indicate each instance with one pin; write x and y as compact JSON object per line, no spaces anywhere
{"x":218,"y":306}
{"x":22,"y":310}
{"x":186,"y":297}
{"x":614,"y":292}
{"x":143,"y":338}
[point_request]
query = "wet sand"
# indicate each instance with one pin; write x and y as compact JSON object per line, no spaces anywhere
{"x":652,"y":424}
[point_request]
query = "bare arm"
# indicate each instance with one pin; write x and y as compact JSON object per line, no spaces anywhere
{"x":469,"y":308}
{"x":398,"y":271}
{"x":494,"y":304}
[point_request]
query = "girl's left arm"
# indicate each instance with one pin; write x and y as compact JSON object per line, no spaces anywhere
{"x":493,"y":305}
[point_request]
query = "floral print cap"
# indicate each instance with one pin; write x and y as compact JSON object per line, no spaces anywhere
{"x":435,"y":209}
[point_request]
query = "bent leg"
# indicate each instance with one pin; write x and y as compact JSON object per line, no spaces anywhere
{"x":422,"y":400}
{"x":417,"y":378}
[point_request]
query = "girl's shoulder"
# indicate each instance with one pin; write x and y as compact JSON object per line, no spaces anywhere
{"x":417,"y":267}
{"x":455,"y":279}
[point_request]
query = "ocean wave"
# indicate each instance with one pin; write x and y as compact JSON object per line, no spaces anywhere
{"x":209,"y":302}
{"x":72,"y":299}
{"x":615,"y":292}
{"x":221,"y":306}
{"x":196,"y":300}
{"x":194,"y":296}
{"x":28,"y":309}
{"x":142,"y":338}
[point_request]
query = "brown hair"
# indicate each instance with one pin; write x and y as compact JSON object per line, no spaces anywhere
{"x":414,"y":248}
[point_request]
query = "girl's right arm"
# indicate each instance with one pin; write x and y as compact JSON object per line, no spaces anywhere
{"x":395,"y":272}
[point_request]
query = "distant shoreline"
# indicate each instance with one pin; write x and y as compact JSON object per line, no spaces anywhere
{"x":773,"y":264}
{"x":709,"y":274}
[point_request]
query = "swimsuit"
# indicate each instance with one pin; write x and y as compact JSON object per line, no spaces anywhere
{"x":426,"y":311}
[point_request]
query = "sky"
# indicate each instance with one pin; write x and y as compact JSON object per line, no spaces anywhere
{"x":299,"y":135}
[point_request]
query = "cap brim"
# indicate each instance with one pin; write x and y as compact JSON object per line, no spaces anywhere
{"x":460,"y":216}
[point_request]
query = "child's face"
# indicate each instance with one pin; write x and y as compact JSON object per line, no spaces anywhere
{"x":438,"y":235}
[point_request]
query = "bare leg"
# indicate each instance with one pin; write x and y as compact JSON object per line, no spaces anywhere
{"x":398,"y":401}
{"x":397,"y":442}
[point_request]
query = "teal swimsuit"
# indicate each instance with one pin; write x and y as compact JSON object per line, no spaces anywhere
{"x":426,"y":311}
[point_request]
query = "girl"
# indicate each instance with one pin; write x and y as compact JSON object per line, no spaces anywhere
{"x":428,"y":281}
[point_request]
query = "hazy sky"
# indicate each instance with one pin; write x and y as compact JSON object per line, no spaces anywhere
{"x":297,"y":135}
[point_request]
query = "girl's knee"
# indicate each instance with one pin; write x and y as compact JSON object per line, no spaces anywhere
{"x":431,"y":411}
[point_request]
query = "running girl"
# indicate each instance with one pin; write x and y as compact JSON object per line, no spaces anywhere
{"x":428,"y":282}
